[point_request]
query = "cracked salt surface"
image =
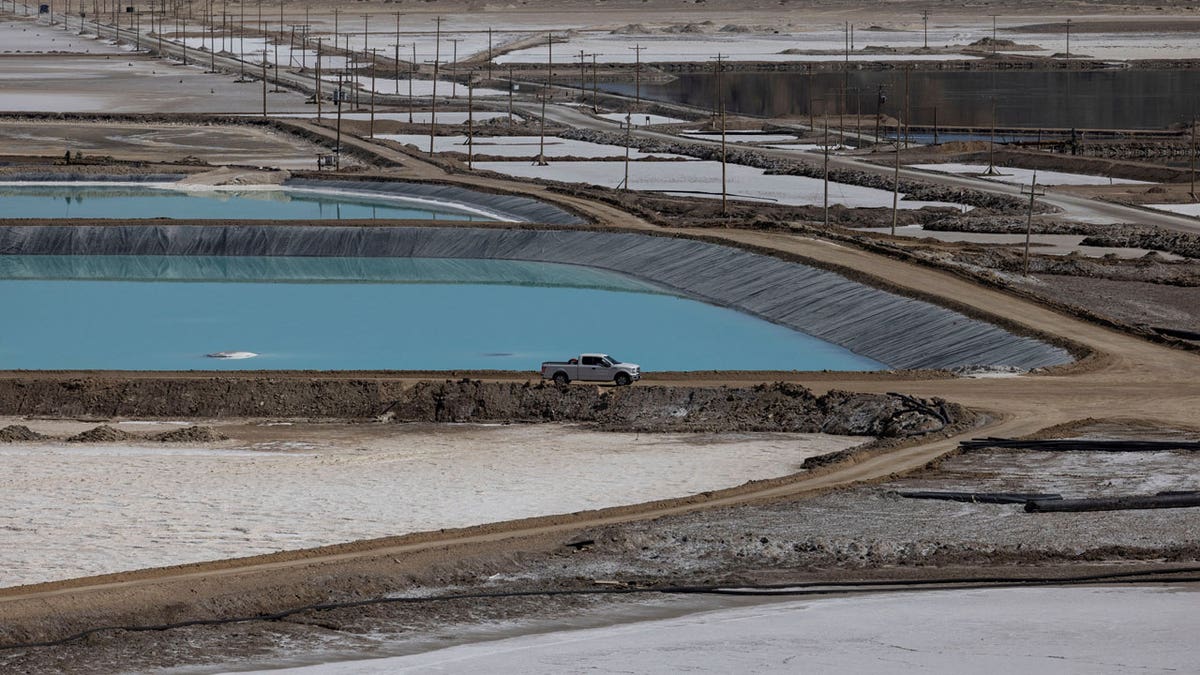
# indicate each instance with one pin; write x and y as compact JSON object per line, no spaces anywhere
{"x":70,"y":510}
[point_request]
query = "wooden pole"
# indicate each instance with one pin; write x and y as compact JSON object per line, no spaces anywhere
{"x":437,"y":55}
{"x":318,"y":80}
{"x":471,"y":120}
{"x":896,"y":189}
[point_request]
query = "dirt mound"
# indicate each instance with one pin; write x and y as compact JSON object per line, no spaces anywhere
{"x":193,"y":434}
{"x":988,"y":42}
{"x":774,"y":407}
{"x":100,"y":434}
{"x":15,"y":433}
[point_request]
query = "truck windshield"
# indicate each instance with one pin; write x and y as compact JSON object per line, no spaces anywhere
{"x":612,"y":359}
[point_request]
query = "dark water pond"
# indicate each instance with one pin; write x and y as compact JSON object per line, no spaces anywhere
{"x":1116,"y":99}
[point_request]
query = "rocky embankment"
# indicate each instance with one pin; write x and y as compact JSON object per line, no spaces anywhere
{"x":767,"y":407}
{"x":773,"y":407}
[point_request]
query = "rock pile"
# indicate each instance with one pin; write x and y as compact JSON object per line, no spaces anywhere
{"x":16,"y":433}
{"x":773,"y":407}
{"x":193,"y":434}
{"x":100,"y":434}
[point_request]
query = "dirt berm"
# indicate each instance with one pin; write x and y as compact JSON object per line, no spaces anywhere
{"x":766,"y":407}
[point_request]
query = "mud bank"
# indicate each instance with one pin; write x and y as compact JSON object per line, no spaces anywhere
{"x":776,"y":407}
{"x":898,"y":331}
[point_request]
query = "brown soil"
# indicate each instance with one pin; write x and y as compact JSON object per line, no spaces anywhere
{"x":1133,"y":302}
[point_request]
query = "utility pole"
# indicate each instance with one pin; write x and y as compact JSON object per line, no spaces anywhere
{"x":318,"y":80}
{"x":826,"y":176}
{"x":433,"y":109}
{"x":1193,"y":191}
{"x":812,"y":125}
{"x":1033,"y":192}
{"x":412,"y":75}
{"x":1068,"y":38}
{"x":541,"y":160}
{"x":879,"y":101}
{"x":242,"y":44}
{"x":582,"y":77}
{"x":595,"y":86}
{"x":437,"y":56}
{"x":371,"y":129}
{"x":896,"y":189}
{"x":994,"y":34}
{"x":454,"y":66}
{"x":489,"y":61}
{"x":471,"y":120}
{"x":628,"y":142}
{"x":212,"y":46}
{"x":637,"y":75}
{"x":719,"y":67}
{"x":925,"y":20}
{"x":511,"y":85}
{"x":549,"y":64}
{"x":991,"y":170}
{"x":277,"y":40}
{"x":339,"y":95}
{"x":264,"y":82}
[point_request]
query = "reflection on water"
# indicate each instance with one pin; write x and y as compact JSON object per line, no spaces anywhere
{"x":140,"y":201}
{"x":1108,"y":99}
{"x":167,"y":312}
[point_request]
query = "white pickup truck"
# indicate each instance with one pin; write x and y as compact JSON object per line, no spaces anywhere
{"x":592,"y":368}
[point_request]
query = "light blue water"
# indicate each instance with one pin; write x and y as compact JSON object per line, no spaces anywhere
{"x":140,"y":201}
{"x":507,"y":315}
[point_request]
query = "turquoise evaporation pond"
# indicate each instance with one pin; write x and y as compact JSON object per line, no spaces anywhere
{"x":88,"y":200}
{"x":168,"y":312}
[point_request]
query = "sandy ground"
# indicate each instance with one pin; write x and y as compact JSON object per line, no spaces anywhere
{"x":239,"y":145}
{"x":1131,"y":301}
{"x":1044,"y":244}
{"x":275,"y":487}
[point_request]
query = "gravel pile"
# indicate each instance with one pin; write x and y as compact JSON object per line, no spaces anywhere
{"x":101,"y":434}
{"x":1013,"y":225}
{"x":16,"y":433}
{"x":193,"y":434}
{"x":1156,"y":239}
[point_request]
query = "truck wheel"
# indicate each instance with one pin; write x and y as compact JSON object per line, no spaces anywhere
{"x":623,"y":380}
{"x":561,"y":379}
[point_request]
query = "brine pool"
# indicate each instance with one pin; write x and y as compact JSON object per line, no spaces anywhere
{"x":170,"y":312}
{"x":168,"y":200}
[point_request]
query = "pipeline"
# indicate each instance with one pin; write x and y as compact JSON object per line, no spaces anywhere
{"x":980,"y":497}
{"x":1177,"y":500}
{"x":1078,"y":445}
